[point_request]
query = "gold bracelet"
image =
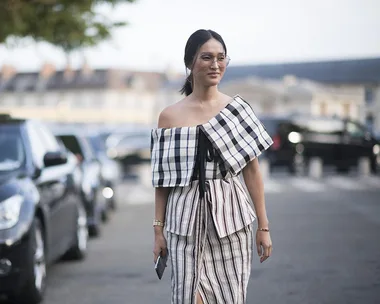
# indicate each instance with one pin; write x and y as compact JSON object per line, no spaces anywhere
{"x":263,"y":229}
{"x":158,"y":223}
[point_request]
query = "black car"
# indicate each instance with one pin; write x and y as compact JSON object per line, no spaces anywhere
{"x":110,"y":169}
{"x":338,"y":142}
{"x":42,"y":217}
{"x":92,"y":185}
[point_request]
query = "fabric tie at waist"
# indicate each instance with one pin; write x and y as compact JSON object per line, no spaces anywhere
{"x":205,"y":153}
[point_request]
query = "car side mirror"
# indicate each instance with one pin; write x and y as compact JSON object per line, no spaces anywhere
{"x":54,"y":159}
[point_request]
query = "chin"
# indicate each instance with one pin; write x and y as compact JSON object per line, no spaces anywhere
{"x":212,"y":82}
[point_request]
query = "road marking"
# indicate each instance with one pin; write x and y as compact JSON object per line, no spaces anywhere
{"x":372,"y":181}
{"x":135,"y":193}
{"x":307,"y":185}
{"x":345,"y":183}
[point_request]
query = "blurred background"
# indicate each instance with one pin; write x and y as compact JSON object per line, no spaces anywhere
{"x":96,"y":74}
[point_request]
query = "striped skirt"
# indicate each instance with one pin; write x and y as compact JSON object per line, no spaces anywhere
{"x":216,"y":268}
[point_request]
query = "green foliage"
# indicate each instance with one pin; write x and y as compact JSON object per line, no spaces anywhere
{"x":69,"y":24}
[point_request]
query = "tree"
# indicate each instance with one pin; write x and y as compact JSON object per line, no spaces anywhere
{"x":68,"y":24}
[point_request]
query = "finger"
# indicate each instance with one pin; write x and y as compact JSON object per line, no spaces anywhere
{"x":259,"y":249}
{"x":267,"y":253}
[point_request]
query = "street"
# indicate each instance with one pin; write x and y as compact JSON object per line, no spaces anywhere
{"x":325,"y":237}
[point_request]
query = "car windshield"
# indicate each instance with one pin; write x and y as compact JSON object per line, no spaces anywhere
{"x":12,"y":153}
{"x":270,"y":125}
{"x":97,"y":143}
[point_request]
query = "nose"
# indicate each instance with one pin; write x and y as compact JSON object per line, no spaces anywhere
{"x":214,"y":64}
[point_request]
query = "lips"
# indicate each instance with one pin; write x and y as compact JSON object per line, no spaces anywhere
{"x":213,"y":74}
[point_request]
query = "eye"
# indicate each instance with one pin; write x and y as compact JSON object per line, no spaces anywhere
{"x":221,"y":58}
{"x":206,"y":57}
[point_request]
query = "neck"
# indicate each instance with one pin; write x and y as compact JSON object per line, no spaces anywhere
{"x":205,"y":94}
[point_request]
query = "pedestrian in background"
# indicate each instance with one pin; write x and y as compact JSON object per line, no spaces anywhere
{"x":201,"y":147}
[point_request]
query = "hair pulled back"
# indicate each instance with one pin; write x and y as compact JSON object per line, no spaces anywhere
{"x":194,"y":43}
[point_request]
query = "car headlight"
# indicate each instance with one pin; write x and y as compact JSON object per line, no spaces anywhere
{"x":376,"y":149}
{"x":10,"y":211}
{"x":294,"y":137}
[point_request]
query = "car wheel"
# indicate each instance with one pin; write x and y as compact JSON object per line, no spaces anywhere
{"x":113,"y":205}
{"x":35,"y":281}
{"x":374,"y":166}
{"x":105,"y":215}
{"x":342,"y":169}
{"x":94,"y":230}
{"x":297,"y":165}
{"x":79,"y":249}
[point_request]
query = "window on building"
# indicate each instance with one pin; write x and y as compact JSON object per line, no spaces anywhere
{"x":368,"y":95}
{"x":369,"y":121}
{"x":323,"y":108}
{"x":346,"y":110}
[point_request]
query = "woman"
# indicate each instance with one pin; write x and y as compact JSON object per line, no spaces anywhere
{"x":201,"y":146}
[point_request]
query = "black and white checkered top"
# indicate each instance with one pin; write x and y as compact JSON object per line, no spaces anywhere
{"x":236,"y":134}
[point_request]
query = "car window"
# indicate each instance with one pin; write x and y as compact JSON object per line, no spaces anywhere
{"x":48,"y":138}
{"x":323,"y":126}
{"x":37,"y":145}
{"x":355,"y":130}
{"x":83,"y":148}
{"x":71,"y":143}
{"x":270,"y":125}
{"x":12,"y":152}
{"x":97,"y":143}
{"x":87,"y":148}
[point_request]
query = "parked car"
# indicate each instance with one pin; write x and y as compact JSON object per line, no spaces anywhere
{"x":132,"y":147}
{"x":42,"y":217}
{"x":338,"y":142}
{"x":91,"y":187}
{"x":110,"y":169}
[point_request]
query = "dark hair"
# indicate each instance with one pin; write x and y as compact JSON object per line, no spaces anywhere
{"x":194,"y":43}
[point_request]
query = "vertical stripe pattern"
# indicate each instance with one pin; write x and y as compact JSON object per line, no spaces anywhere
{"x":210,"y":236}
{"x":217,"y":268}
{"x":231,"y":209}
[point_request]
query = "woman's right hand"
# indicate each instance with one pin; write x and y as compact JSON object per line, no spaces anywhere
{"x":160,"y":245}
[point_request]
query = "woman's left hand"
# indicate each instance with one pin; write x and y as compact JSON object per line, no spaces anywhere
{"x":263,"y":244}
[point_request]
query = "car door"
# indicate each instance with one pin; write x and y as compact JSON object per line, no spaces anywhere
{"x":359,"y":141}
{"x":54,"y":191}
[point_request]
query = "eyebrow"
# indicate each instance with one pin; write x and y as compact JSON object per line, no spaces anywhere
{"x":209,"y":53}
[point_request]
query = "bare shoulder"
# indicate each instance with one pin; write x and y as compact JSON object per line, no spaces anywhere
{"x":170,"y":114}
{"x":226,"y":98}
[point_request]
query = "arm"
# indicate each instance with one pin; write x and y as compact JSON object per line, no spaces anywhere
{"x":161,"y":197}
{"x":254,"y":182}
{"x":161,"y":194}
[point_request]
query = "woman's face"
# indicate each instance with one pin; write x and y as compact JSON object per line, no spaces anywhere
{"x":210,"y":63}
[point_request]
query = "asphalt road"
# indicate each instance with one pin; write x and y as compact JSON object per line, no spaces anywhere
{"x":326,"y":238}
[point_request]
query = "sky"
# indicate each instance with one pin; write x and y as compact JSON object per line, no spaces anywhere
{"x":255,"y":32}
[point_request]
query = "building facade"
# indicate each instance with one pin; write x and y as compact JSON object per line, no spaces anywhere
{"x":81,"y":96}
{"x":347,"y":88}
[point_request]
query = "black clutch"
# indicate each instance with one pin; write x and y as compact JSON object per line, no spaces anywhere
{"x":161,"y":265}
